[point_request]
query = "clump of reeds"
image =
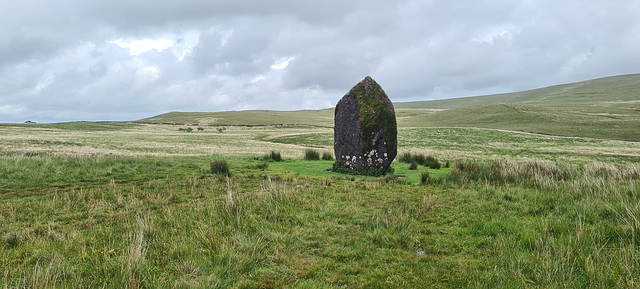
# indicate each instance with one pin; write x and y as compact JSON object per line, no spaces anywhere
{"x":424,"y":178}
{"x":273,"y":156}
{"x":260,"y":166}
{"x":220,"y":167}
{"x":311,"y":155}
{"x":420,"y":159}
{"x":327,"y":156}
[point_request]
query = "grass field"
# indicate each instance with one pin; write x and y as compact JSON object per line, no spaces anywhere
{"x":607,"y":108}
{"x":136,"y":205}
{"x":602,"y":108}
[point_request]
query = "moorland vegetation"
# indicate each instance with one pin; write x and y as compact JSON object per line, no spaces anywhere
{"x":146,"y":205}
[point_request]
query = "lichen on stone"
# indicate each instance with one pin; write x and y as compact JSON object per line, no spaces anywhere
{"x":375,"y":115}
{"x":365,"y":126}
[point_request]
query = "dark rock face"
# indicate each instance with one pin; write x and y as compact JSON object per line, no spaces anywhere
{"x":365,"y":131}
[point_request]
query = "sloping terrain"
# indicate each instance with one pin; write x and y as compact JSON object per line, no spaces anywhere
{"x":246,"y":118}
{"x":621,"y":92}
{"x":606,"y":108}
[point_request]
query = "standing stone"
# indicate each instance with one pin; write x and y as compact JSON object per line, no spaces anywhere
{"x":365,"y":131}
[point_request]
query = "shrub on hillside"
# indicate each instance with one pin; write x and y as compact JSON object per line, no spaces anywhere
{"x":327,"y":156}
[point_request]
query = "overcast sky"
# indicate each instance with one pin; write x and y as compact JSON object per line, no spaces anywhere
{"x":71,"y":60}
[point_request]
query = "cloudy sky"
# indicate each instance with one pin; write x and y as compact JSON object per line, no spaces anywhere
{"x":129,"y":59}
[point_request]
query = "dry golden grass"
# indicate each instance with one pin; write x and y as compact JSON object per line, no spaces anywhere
{"x":166,"y":140}
{"x":150,"y":140}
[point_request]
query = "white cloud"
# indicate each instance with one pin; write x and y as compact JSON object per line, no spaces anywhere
{"x":137,"y":47}
{"x":42,"y":84}
{"x":257,"y":79}
{"x":146,"y":75}
{"x":282,"y":63}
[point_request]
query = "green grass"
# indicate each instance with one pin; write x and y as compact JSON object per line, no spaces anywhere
{"x":598,"y":122}
{"x":26,"y":174}
{"x":244,"y":118}
{"x":277,"y":228}
{"x":133,"y":205}
{"x":617,"y":91}
{"x":607,"y":108}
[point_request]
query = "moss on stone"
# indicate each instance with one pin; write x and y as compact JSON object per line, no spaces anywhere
{"x":374,"y":116}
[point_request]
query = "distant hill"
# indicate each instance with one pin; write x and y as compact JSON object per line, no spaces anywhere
{"x":606,"y":108}
{"x":610,"y":91}
{"x":247,"y":117}
{"x":602,"y":108}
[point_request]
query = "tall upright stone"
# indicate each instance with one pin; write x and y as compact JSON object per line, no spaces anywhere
{"x":365,"y":131}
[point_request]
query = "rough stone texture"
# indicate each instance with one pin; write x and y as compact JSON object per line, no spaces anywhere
{"x":365,"y":131}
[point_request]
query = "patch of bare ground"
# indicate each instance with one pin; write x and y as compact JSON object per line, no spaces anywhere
{"x":207,"y":121}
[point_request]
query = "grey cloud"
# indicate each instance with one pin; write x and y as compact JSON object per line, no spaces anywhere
{"x":58,"y":60}
{"x":239,"y":48}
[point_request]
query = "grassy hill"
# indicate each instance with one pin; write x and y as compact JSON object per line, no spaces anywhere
{"x":582,"y":121}
{"x":607,"y":108}
{"x":249,"y":117}
{"x":622,"y":92}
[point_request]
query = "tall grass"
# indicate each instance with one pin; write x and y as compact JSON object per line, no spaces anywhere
{"x":220,"y":167}
{"x":420,"y":159}
{"x":588,"y":219}
{"x":424,"y":178}
{"x":311,"y":155}
{"x":273,"y":156}
{"x":500,"y":223}
{"x":541,"y":173}
{"x":134,"y":256}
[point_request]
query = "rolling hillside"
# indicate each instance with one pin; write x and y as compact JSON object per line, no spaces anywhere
{"x":607,"y":108}
{"x":249,"y":117}
{"x":616,"y":91}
